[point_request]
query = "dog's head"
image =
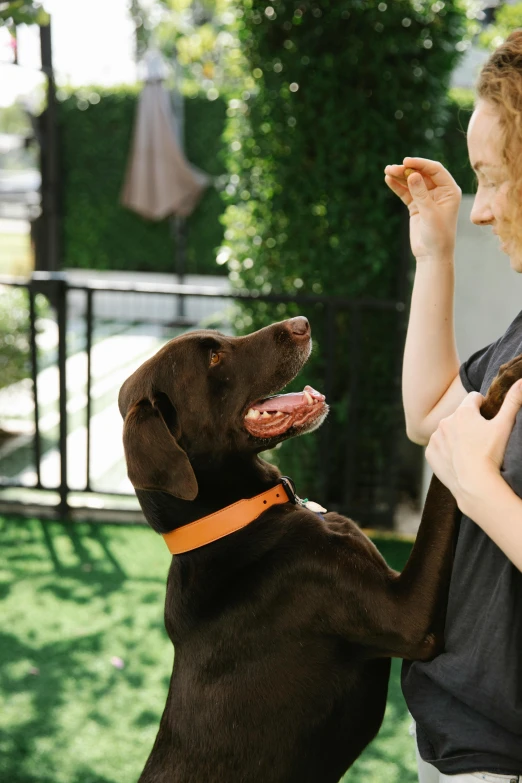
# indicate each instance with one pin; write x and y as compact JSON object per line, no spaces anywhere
{"x":205,"y":395}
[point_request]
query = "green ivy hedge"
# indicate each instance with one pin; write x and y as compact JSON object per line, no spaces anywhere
{"x":343,"y":88}
{"x":95,"y":129}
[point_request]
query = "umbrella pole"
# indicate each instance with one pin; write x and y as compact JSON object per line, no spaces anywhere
{"x":179,"y":232}
{"x":179,"y":224}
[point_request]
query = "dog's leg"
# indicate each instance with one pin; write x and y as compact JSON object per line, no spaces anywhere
{"x":422,"y":588}
{"x":403,"y":615}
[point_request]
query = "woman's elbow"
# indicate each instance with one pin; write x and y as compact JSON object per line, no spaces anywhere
{"x":416,"y":435}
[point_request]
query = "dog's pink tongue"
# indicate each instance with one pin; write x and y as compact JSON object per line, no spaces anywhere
{"x":282,"y":402}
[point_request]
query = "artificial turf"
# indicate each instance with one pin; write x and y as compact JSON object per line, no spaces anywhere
{"x":85,"y":661}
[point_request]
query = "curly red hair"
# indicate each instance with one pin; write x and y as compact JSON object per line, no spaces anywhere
{"x":500,"y":84}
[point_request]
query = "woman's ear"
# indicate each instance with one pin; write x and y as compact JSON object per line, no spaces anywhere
{"x":154,"y":458}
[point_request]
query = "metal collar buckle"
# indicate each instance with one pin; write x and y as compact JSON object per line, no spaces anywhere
{"x":289,"y":486}
{"x":294,"y":498}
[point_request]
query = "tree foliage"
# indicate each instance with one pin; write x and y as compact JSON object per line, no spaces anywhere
{"x":16,"y":12}
{"x":507,"y":19}
{"x":14,"y":332}
{"x":201,"y":36}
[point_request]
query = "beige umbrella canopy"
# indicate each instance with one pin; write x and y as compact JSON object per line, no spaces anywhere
{"x":159,"y":180}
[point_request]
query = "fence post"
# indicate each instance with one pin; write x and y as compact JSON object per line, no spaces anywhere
{"x":53,"y":285}
{"x":37,"y":442}
{"x":330,"y":341}
{"x":353,"y":406}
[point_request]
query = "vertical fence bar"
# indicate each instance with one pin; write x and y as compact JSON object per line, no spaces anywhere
{"x":397,"y":429}
{"x":395,"y":435}
{"x":353,"y":407}
{"x":49,"y":254}
{"x":180,"y":234}
{"x":34,"y":378}
{"x":61,"y":311}
{"x":88,"y":347}
{"x":325,"y":439}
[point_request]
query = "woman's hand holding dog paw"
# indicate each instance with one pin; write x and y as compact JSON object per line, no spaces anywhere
{"x":466,"y":450}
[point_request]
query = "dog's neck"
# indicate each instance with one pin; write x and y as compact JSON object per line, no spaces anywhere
{"x":220,"y":483}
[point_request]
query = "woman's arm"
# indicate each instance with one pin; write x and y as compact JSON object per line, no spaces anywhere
{"x":494,"y":506}
{"x":431,"y":384}
{"x":431,"y":387}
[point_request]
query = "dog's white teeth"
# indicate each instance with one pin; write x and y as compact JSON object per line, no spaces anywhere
{"x":278,"y":414}
{"x":253,"y":414}
{"x":308,"y":397}
{"x":265,"y":415}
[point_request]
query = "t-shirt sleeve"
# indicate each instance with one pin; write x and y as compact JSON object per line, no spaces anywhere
{"x":473,"y":370}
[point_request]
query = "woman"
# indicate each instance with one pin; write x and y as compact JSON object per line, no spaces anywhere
{"x":467,"y":702}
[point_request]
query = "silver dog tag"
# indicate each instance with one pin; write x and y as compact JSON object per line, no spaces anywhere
{"x":294,"y":497}
{"x":311,"y":506}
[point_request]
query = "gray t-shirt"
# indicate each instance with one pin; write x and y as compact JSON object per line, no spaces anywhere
{"x":467,"y":702}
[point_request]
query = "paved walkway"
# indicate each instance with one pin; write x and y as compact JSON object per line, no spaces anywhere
{"x":120,"y":345}
{"x":160,"y":308}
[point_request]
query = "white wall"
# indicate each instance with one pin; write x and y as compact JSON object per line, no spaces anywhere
{"x":488,"y":293}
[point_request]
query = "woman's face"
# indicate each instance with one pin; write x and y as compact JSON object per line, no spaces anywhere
{"x":484,"y":147}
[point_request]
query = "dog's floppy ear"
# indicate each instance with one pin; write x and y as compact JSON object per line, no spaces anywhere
{"x":154,"y":458}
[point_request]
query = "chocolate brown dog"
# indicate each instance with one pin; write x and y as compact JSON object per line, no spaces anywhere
{"x":284,"y":629}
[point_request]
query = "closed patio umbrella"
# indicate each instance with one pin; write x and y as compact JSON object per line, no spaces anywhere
{"x":159,"y":180}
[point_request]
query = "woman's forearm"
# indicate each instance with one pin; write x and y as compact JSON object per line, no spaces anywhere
{"x":492,"y":504}
{"x":430,"y":358}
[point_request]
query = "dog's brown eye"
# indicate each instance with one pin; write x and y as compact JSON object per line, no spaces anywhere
{"x":215,"y":358}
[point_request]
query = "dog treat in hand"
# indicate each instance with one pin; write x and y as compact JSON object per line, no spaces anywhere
{"x":407,"y":172}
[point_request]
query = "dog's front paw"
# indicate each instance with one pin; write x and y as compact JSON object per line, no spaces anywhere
{"x":507,"y":375}
{"x":432,"y":645}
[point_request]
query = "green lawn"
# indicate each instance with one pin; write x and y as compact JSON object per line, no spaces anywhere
{"x":75,"y":599}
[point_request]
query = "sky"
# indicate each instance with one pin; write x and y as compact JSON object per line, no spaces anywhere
{"x":93,"y":43}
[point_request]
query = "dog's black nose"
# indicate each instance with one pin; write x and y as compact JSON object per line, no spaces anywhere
{"x":299,"y":326}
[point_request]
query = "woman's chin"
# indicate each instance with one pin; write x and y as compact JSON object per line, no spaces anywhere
{"x":515,"y":260}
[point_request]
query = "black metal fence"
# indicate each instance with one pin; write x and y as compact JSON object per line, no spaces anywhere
{"x":351,"y":464}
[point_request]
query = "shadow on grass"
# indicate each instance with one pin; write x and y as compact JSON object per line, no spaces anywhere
{"x":52,"y":665}
{"x":13,"y":774}
{"x":57,"y":676}
{"x":100,"y":571}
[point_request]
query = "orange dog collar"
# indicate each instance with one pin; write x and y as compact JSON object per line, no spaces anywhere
{"x":227,"y":520}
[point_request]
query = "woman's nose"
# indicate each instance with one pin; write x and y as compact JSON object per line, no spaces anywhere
{"x":481,"y":214}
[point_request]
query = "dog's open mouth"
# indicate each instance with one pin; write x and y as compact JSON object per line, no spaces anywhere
{"x":275,"y":415}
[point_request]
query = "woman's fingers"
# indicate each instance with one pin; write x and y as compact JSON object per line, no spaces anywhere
{"x":399,"y":188}
{"x":430,"y":170}
{"x":397,"y":171}
{"x":394,"y":170}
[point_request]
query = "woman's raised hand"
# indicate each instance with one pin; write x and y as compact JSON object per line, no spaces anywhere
{"x":433,"y":199}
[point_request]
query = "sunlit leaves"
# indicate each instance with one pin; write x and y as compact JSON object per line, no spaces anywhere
{"x":507,"y":19}
{"x":202,"y":35}
{"x":22,"y":12}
